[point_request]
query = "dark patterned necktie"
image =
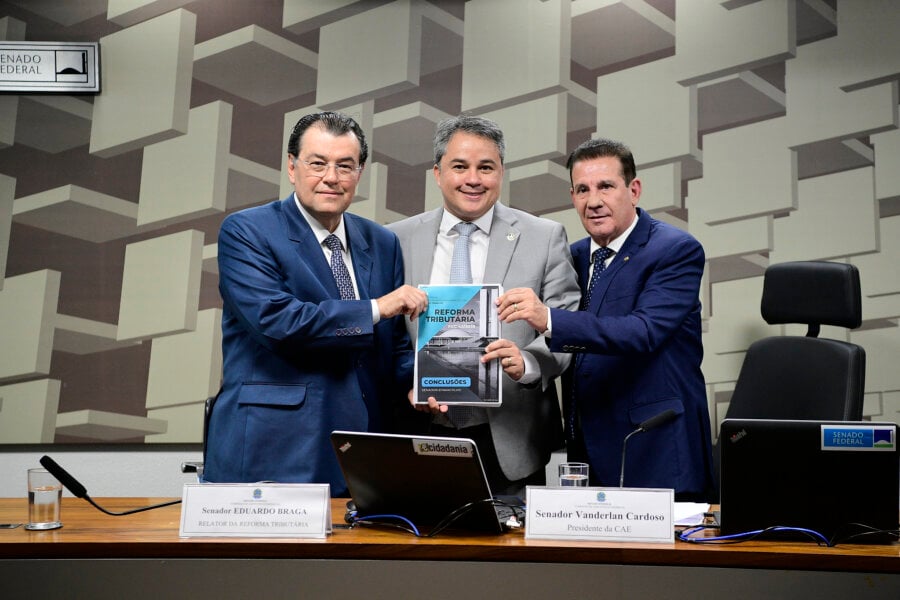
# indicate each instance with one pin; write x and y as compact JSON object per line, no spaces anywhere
{"x":341,"y":274}
{"x":461,"y":264}
{"x":599,"y":259}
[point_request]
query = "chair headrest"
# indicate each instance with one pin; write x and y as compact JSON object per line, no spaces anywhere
{"x":812,"y":293}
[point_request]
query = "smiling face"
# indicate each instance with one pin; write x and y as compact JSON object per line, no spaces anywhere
{"x":325,"y":195}
{"x":470,"y":175}
{"x":602,"y":199}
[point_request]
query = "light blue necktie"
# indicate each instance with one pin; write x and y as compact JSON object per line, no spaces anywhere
{"x":461,"y":265}
{"x":341,"y":274}
{"x":461,"y":272}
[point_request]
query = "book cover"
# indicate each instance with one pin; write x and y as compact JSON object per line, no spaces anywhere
{"x":452,"y":334}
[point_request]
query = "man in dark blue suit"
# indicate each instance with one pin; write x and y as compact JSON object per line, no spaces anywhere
{"x":636,"y":337}
{"x":309,"y":335}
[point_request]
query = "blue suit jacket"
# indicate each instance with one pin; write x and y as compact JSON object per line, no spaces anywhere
{"x":639,"y":353}
{"x":298,"y":361}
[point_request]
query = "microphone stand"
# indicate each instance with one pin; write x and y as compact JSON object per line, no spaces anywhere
{"x":654,"y":421}
{"x":79,"y":491}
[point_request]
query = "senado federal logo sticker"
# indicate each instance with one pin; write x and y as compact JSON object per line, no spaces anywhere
{"x":871,"y":438}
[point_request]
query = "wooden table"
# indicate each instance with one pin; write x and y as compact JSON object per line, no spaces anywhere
{"x":142,"y":553}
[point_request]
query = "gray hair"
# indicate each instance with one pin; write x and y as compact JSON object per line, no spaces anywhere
{"x":468,"y":124}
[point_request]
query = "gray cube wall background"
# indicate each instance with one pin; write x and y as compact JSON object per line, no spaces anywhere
{"x":768,"y":129}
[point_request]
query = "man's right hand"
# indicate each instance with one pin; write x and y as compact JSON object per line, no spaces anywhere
{"x":405,"y":300}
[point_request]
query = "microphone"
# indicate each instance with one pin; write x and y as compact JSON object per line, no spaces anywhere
{"x":79,"y":491}
{"x":654,"y":421}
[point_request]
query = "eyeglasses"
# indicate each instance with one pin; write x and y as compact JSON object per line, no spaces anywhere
{"x":344,"y":171}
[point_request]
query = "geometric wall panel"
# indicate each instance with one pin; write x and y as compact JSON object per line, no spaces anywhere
{"x":195,"y":174}
{"x":9,"y":107}
{"x":651,"y":89}
{"x":28,"y":411}
{"x":129,"y":12}
{"x":882,"y":376}
{"x":887,"y":175}
{"x":522,"y":49}
{"x":84,"y":336}
{"x":182,"y":423}
{"x":354,"y":67}
{"x":538,"y":187}
{"x":395,"y":128}
{"x":661,"y":187}
{"x":76,"y":212}
{"x":607,"y":33}
{"x":256,"y":64}
{"x":106,"y":426}
{"x":7,"y":193}
{"x":146,"y":75}
{"x":160,"y":285}
{"x":186,"y":367}
{"x":65,"y":13}
{"x":748,"y":171}
{"x":27,"y":313}
{"x":880,"y":280}
{"x":187,"y":176}
{"x":714,"y":40}
{"x":836,"y":86}
{"x":300,"y":16}
{"x":67,"y":115}
{"x":824,"y":202}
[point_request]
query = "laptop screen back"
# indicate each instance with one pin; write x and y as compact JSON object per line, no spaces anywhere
{"x":421,"y":478}
{"x":831,"y":477}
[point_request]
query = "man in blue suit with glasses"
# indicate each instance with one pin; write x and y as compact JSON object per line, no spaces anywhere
{"x":312,"y":323}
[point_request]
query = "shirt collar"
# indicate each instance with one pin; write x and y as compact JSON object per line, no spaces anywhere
{"x":449,"y":221}
{"x":617,"y":243}
{"x":320,"y":232}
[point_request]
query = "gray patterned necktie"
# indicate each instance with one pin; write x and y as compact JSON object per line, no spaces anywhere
{"x":341,"y":274}
{"x":461,"y":265}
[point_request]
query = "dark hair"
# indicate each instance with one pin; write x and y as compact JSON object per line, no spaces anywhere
{"x":334,"y":123}
{"x":600,"y":148}
{"x":474,"y":125}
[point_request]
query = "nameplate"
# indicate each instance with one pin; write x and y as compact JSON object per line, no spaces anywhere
{"x":600,"y":514}
{"x":50,"y":67}
{"x":295,"y":510}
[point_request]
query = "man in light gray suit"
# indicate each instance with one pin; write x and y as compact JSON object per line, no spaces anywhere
{"x":512,"y":248}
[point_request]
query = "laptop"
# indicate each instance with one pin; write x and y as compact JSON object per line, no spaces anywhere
{"x":836,"y":478}
{"x":421,"y":478}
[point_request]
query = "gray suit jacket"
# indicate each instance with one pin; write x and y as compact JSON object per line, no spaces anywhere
{"x":524,"y":251}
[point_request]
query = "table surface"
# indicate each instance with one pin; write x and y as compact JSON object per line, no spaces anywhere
{"x":89,"y":533}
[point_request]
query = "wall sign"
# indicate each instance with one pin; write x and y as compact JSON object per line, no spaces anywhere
{"x":50,"y":67}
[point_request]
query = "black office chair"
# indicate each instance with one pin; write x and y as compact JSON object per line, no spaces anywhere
{"x":197,"y":466}
{"x":797,"y":377}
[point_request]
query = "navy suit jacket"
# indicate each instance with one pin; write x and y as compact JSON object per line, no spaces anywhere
{"x":639,"y":351}
{"x":298,"y":361}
